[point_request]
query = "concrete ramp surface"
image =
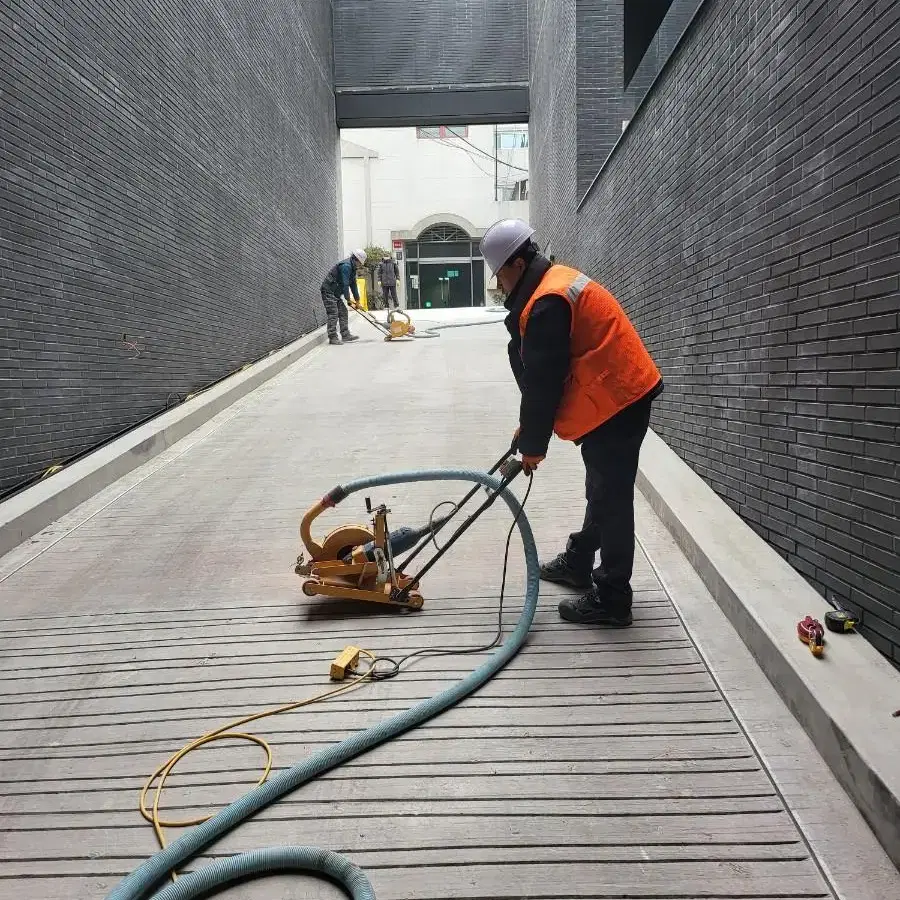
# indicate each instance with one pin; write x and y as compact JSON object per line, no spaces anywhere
{"x":597,"y":765}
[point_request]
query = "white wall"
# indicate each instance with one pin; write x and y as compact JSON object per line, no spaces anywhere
{"x":412,"y":179}
{"x":353,"y":203}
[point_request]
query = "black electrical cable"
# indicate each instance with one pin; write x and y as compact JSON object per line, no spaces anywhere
{"x":488,"y":155}
{"x":395,"y":665}
{"x":431,"y":525}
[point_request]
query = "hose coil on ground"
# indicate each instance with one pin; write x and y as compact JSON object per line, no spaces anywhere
{"x":143,"y":881}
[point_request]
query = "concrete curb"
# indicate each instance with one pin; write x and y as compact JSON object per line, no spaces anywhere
{"x":25,"y":514}
{"x":844,"y":700}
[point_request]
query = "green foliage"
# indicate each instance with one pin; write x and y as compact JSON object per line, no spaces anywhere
{"x":375,"y":255}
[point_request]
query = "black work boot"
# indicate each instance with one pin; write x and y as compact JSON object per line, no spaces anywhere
{"x":349,"y":338}
{"x":560,"y":571}
{"x":595,"y":609}
{"x":334,"y":339}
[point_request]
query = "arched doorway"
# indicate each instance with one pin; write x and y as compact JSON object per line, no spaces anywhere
{"x":444,"y":268}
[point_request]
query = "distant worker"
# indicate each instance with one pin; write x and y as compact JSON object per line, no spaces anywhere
{"x":585,"y":374}
{"x":340,"y":283}
{"x":387,"y":274}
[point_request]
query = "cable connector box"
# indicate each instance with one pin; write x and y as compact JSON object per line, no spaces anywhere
{"x":346,"y":660}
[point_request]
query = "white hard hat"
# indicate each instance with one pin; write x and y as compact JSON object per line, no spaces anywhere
{"x":501,"y":240}
{"x":360,"y":255}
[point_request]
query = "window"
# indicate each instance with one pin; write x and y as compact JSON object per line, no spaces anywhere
{"x":516,"y":191}
{"x":512,"y":140}
{"x":443,"y":234}
{"x":442,"y":131}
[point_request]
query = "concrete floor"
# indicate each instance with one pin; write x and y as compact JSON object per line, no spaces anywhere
{"x":653,"y":762}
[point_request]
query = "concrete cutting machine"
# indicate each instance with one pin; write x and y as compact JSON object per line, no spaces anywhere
{"x":360,"y":562}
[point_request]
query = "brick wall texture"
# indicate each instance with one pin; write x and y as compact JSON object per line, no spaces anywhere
{"x":168,"y":205}
{"x":553,"y":189}
{"x":749,"y":221}
{"x":429,"y":43}
{"x":598,"y":92}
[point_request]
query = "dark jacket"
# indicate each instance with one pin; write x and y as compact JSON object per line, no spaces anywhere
{"x":540,"y":361}
{"x":387,"y":272}
{"x":341,"y":279}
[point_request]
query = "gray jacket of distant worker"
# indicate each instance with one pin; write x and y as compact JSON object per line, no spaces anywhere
{"x":388,"y":272}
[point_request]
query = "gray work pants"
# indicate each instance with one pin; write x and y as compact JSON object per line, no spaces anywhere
{"x":335,"y":312}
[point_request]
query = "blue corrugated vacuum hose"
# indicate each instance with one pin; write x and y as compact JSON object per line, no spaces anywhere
{"x":145,"y":882}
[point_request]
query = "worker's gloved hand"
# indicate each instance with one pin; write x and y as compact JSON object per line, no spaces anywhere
{"x":530,"y":463}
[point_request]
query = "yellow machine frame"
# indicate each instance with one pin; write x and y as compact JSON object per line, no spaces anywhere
{"x":399,"y":324}
{"x":355,"y":562}
{"x":327,"y":574}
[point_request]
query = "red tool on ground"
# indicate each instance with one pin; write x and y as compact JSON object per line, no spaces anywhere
{"x":811,"y":632}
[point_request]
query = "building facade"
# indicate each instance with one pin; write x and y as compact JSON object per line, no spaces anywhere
{"x":428,"y":195}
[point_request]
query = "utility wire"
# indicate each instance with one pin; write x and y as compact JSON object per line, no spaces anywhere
{"x":484,"y":153}
{"x":468,"y":153}
{"x":490,"y":157}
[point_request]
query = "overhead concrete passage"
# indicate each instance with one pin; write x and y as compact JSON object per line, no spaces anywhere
{"x":464,"y":62}
{"x":654,"y":762}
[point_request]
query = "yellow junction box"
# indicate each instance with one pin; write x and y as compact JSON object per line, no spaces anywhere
{"x":346,"y":660}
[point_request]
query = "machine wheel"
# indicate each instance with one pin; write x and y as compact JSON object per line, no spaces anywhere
{"x":309,"y":587}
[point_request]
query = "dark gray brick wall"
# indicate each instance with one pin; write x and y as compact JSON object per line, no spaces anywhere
{"x":604,"y":101}
{"x":393,"y":43}
{"x":553,"y":193}
{"x":750,"y":222}
{"x":600,"y":83}
{"x":168,"y":173}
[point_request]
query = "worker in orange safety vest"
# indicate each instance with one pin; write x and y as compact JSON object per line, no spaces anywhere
{"x":583,"y":373}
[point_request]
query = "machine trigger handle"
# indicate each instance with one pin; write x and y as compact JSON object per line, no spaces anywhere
{"x":510,"y":469}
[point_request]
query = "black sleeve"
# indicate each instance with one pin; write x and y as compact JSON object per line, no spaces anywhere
{"x":515,"y":364}
{"x":546,"y":359}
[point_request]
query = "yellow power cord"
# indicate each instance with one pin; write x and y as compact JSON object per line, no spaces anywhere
{"x":226,"y":732}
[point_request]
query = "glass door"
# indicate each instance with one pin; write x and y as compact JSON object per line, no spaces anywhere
{"x":445,"y":284}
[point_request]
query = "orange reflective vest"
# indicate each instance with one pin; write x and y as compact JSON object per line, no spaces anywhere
{"x":610,"y":367}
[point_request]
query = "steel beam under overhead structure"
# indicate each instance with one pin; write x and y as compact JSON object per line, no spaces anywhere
{"x":453,"y":63}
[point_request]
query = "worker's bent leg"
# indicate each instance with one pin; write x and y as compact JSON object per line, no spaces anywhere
{"x":330,"y":303}
{"x":573,"y":567}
